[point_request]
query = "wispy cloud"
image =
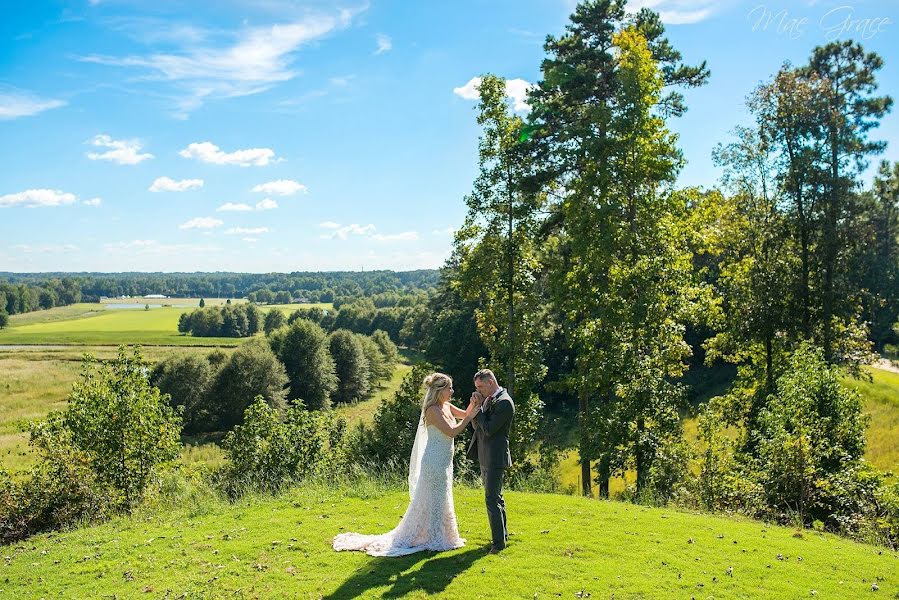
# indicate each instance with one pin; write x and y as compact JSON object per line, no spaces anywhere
{"x":93,"y":202}
{"x":343,"y":232}
{"x":256,"y":59}
{"x":267,"y":204}
{"x":678,"y":12}
{"x":201,"y":223}
{"x":123,"y":152}
{"x":385,"y":44}
{"x":280,"y":187}
{"x":37,"y":198}
{"x":210,"y":153}
{"x":246,"y":230}
{"x":46,"y":248}
{"x":516,"y":89}
{"x":167,"y":184}
{"x":15,"y":104}
{"x":231,"y":206}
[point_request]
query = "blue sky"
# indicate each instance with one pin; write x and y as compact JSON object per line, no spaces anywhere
{"x":281,"y":136}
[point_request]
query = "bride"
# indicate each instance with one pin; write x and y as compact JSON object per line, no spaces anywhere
{"x":430,"y":519}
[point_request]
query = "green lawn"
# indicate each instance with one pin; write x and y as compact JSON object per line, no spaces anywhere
{"x":561,"y":547}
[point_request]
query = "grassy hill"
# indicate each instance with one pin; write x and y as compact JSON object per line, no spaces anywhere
{"x":561,"y":546}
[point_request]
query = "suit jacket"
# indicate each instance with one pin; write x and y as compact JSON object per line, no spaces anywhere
{"x":490,"y":442}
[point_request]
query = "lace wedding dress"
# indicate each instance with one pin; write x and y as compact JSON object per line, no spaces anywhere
{"x":430,"y":519}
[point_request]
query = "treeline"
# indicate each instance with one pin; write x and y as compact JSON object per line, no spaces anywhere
{"x":228,"y":320}
{"x":294,"y":365}
{"x":17,"y":298}
{"x":585,"y":278}
{"x":266,"y":287}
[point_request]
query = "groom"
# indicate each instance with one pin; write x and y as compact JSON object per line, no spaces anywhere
{"x":490,"y":443}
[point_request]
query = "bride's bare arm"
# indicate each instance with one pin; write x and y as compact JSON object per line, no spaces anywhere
{"x":436,"y":416}
{"x":457,"y":412}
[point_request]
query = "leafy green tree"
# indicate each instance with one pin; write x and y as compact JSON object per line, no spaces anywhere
{"x":123,"y":425}
{"x":186,"y":379}
{"x":848,"y":110}
{"x":615,"y":262}
{"x":303,"y":348}
{"x":4,"y":318}
{"x":251,"y":370}
{"x":274,"y":319}
{"x":389,"y":353}
{"x":376,"y":364}
{"x":254,"y":318}
{"x":350,"y":365}
{"x":202,"y":303}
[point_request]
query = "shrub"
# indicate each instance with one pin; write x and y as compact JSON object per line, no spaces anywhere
{"x":267,"y":454}
{"x":186,"y":379}
{"x":251,"y":370}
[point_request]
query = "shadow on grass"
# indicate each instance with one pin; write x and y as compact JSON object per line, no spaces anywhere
{"x":431,"y":577}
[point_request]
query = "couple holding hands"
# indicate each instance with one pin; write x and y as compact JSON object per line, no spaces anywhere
{"x":429,"y":522}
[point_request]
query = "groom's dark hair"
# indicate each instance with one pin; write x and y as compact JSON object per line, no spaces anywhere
{"x":485,"y":374}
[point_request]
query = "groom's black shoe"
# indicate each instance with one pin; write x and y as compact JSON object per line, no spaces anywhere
{"x":496,"y":549}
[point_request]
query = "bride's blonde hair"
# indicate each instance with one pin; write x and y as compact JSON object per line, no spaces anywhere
{"x":436,"y":383}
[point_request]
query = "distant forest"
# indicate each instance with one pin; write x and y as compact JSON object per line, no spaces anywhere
{"x":30,"y":291}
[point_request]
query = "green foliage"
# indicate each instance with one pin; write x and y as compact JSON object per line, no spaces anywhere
{"x":274,"y":319}
{"x":251,"y":370}
{"x":266,"y":453}
{"x":228,"y":320}
{"x":350,"y":365}
{"x":4,"y":318}
{"x":202,"y":303}
{"x":387,"y":442}
{"x":303,"y":349}
{"x":389,"y":353}
{"x":187,"y":380}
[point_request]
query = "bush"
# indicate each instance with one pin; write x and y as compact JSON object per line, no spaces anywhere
{"x":267,"y":454}
{"x":98,"y":455}
{"x":251,"y":370}
{"x":274,"y":319}
{"x":186,"y":379}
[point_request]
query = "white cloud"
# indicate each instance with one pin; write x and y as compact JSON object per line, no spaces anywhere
{"x":37,"y":197}
{"x":343,"y":232}
{"x":406,"y":236}
{"x":167,"y":184}
{"x":210,"y":153}
{"x":516,"y":89}
{"x":46,"y":248}
{"x":280,"y":187}
{"x":93,"y":202}
{"x":246,"y":230}
{"x":249,"y":239}
{"x":231,"y":206}
{"x":267,"y":204}
{"x":256,"y":59}
{"x":201,"y":223}
{"x":447,"y":231}
{"x":384,"y":44}
{"x":154,"y":248}
{"x":15,"y":104}
{"x":123,"y":152}
{"x":677,"y":12}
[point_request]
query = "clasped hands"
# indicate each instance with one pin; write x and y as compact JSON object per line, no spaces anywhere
{"x":474,"y":403}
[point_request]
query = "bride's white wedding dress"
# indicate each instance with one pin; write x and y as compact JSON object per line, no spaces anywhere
{"x":430,"y":520}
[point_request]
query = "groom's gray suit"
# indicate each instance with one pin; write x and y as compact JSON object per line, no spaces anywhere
{"x":490,"y":443}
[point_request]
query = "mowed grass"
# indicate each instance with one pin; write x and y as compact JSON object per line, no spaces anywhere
{"x":561,"y":546}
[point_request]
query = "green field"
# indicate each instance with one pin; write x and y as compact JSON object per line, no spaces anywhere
{"x":97,"y":324}
{"x":560,"y":547}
